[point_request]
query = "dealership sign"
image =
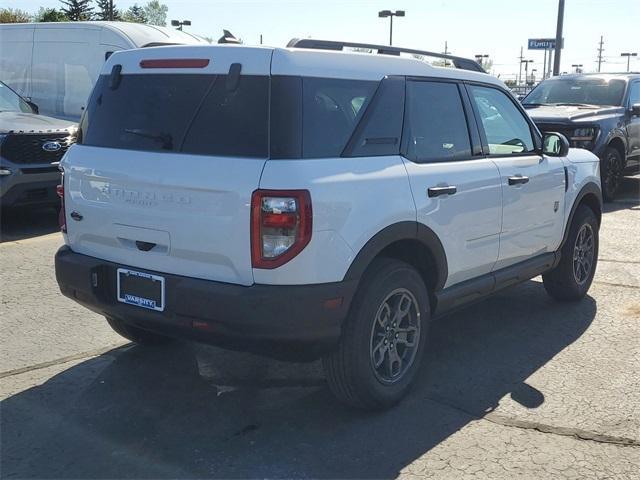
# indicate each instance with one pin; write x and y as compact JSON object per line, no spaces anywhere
{"x":542,"y":43}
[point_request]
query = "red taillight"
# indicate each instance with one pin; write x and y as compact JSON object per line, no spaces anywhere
{"x":281,"y":224}
{"x":175,"y":63}
{"x":62,"y":217}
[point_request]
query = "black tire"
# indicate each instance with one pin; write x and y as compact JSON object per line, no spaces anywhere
{"x":136,"y":335}
{"x":611,"y":170}
{"x":350,"y":370}
{"x":569,"y":281}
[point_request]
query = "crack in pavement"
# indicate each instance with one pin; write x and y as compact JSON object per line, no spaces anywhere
{"x":611,"y":284}
{"x":61,"y":360}
{"x":505,"y":421}
{"x":611,"y":260}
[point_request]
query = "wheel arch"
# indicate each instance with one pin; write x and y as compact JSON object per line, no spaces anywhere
{"x":589,"y":195}
{"x":619,"y":144}
{"x":411,"y":242}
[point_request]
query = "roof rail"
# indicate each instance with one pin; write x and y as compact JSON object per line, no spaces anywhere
{"x":458,"y":62}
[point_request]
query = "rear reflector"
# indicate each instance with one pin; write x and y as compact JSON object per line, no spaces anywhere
{"x":175,"y":63}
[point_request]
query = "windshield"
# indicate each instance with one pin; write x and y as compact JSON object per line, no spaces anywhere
{"x":588,"y":91}
{"x":10,"y":101}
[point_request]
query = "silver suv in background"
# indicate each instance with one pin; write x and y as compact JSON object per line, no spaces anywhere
{"x":31,"y":146}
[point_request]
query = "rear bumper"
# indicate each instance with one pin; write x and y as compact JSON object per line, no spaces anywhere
{"x":270,"y":319}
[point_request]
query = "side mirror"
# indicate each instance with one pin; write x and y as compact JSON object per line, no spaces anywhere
{"x":635,"y":109}
{"x":33,"y":106}
{"x":555,"y":144}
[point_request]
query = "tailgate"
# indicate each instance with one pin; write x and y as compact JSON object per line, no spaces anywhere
{"x":197,"y":217}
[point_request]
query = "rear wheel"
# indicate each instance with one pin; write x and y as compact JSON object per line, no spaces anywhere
{"x":572,"y":277}
{"x":611,"y":167}
{"x":383,"y":339}
{"x":137,"y":335}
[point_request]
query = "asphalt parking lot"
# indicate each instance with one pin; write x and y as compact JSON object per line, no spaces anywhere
{"x":518,"y":386}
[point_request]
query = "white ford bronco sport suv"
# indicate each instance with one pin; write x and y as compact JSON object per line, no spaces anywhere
{"x":315,"y":201}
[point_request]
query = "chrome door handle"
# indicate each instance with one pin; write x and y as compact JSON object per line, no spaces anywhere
{"x":444,"y":190}
{"x":518,"y":180}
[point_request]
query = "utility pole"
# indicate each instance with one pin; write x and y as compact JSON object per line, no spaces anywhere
{"x":446,"y":52}
{"x":111,"y":10}
{"x":521,"y":58}
{"x":600,"y":50}
{"x":556,"y":60}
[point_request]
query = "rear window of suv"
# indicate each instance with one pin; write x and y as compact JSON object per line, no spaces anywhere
{"x":198,"y":114}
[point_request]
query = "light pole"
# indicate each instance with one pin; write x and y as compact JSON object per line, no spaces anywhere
{"x":179,"y":24}
{"x":578,"y":67}
{"x":526,"y":69}
{"x":629,"y":55}
{"x":480,"y":58}
{"x":390,"y":14}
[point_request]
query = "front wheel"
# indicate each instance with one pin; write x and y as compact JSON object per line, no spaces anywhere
{"x":571,"y":278}
{"x":611,"y":168}
{"x":383,"y":338}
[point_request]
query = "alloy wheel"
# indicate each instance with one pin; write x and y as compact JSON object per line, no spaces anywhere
{"x":583,"y":253}
{"x":395,"y":336}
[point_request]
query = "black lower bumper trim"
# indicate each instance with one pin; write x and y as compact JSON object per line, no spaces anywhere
{"x":260,"y":318}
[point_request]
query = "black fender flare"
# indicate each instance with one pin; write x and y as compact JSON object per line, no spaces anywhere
{"x":407,"y":230}
{"x":590,"y":188}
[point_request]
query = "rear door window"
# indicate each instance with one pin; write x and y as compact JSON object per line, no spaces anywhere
{"x":435,"y":123}
{"x":187,"y":113}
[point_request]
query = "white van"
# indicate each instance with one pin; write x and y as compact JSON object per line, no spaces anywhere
{"x":55,"y":65}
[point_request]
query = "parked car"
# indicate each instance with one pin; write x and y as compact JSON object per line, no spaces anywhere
{"x":57,"y":64}
{"x":598,"y":112}
{"x":314,"y":200}
{"x":31,"y":146}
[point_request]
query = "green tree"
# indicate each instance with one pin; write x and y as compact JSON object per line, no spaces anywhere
{"x":14,"y":15}
{"x":49,"y":15}
{"x":135,"y":14}
{"x":104,"y":7}
{"x":77,"y":10}
{"x":156,"y":13}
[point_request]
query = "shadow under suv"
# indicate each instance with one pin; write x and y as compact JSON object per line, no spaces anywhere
{"x":31,"y":147}
{"x":598,"y":112}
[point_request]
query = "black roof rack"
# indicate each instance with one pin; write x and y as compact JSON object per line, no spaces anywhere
{"x":458,"y":62}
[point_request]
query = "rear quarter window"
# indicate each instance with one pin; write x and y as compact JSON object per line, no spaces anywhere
{"x":331,"y":110}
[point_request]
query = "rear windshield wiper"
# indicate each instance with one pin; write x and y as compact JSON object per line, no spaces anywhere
{"x":535,"y":104}
{"x":164,"y":138}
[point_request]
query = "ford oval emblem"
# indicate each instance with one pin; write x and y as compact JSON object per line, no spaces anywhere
{"x":51,"y":146}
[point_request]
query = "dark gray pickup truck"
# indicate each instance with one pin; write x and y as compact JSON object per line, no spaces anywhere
{"x":599,"y":112}
{"x":31,"y":147}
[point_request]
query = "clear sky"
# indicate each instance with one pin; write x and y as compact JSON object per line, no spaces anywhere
{"x":494,"y":27}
